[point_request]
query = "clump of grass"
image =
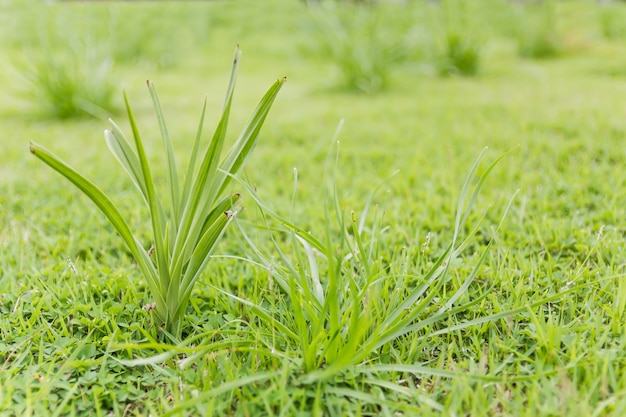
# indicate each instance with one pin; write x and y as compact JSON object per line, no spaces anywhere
{"x":359,"y":41}
{"x":70,"y":54}
{"x":73,"y":84}
{"x":537,"y":33}
{"x":69,"y":70}
{"x":460,"y":45}
{"x":461,"y":54}
{"x":146,"y":38}
{"x":188,"y":228}
{"x":612,"y":18}
{"x":340,"y":306}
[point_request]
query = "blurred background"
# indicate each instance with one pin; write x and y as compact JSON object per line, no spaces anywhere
{"x":422,"y":86}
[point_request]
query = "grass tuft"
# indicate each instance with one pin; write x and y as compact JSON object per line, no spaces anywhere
{"x":186,"y":232}
{"x":612,"y":18}
{"x":340,"y":307}
{"x":362,"y":43}
{"x":538,"y":33}
{"x":460,"y":45}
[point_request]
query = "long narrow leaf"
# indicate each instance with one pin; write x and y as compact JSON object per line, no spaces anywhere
{"x":172,"y":171}
{"x":444,"y":373}
{"x":201,"y":256}
{"x":312,"y":240}
{"x":242,"y":148}
{"x":204,"y":396}
{"x":156,"y":215}
{"x":110,"y":211}
{"x":404,"y":327}
{"x":262,"y":313}
{"x":192,"y":217}
{"x":126,"y":156}
{"x":461,"y":212}
{"x":226,"y":204}
{"x":318,"y":291}
{"x":193,"y":157}
{"x":206,"y":245}
{"x":409,"y":302}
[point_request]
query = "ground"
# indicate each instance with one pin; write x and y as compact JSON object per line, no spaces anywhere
{"x":545,"y":234}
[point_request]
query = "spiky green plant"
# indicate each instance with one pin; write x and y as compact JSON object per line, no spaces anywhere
{"x":342,"y":302}
{"x":71,"y":84}
{"x":68,"y":69}
{"x":461,"y":54}
{"x":187,"y":230}
{"x":612,"y":19}
{"x":461,"y":44}
{"x":538,"y":33}
{"x":357,"y":39}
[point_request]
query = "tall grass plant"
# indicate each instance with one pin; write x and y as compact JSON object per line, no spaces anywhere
{"x":460,"y":42}
{"x":340,"y":305}
{"x":362,"y":42}
{"x":538,"y":33}
{"x":186,"y":224}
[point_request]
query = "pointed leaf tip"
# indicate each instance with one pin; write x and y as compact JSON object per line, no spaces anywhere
{"x":237,"y":55}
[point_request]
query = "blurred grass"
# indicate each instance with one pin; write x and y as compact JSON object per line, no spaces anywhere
{"x":563,"y":118}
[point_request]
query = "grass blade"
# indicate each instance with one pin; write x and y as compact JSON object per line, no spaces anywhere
{"x":156,"y":215}
{"x":192,"y":214}
{"x":201,"y":254}
{"x":192,"y":159}
{"x":221,"y":389}
{"x":110,"y":211}
{"x":246,"y":142}
{"x":126,"y":156}
{"x":172,"y":171}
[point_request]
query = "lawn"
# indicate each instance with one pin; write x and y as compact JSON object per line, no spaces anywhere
{"x":365,"y":275}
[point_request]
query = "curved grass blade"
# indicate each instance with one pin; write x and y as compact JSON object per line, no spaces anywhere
{"x":221,"y":389}
{"x":263,"y":314}
{"x":192,"y":214}
{"x":110,"y":211}
{"x":241,"y":150}
{"x":126,"y":156}
{"x":192,"y":159}
{"x":201,"y":256}
{"x":172,"y":171}
{"x":156,"y":213}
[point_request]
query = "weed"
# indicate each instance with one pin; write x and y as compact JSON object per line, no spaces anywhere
{"x":148,"y":39}
{"x":76,"y":83}
{"x":361,"y":43}
{"x":185,"y":233}
{"x":612,"y":18}
{"x":460,"y":45}
{"x":342,"y":298}
{"x":461,"y":54}
{"x":538,"y":35}
{"x":70,"y":72}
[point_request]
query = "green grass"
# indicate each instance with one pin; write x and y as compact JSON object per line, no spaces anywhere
{"x":613,"y":21}
{"x":186,"y":231}
{"x":75,"y":338}
{"x":538,"y":30}
{"x":461,"y":43}
{"x":361,"y":42}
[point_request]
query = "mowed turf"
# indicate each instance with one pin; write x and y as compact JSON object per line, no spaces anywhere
{"x":75,"y":338}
